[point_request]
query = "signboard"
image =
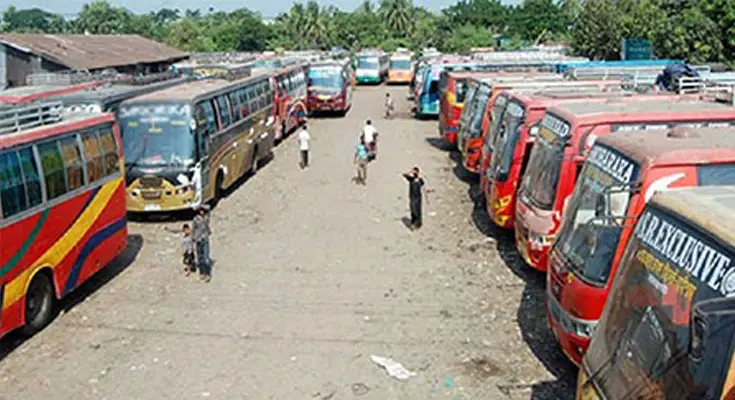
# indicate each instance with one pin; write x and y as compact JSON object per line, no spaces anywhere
{"x":636,"y":49}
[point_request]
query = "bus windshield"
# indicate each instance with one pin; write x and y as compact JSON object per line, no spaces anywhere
{"x":326,"y":78}
{"x":403,"y":65}
{"x":480,"y":101}
{"x":505,"y":139}
{"x":643,"y":344}
{"x":542,"y":176}
{"x":157,"y":135}
{"x":460,"y":90}
{"x":367,"y":63}
{"x":594,"y":220}
{"x":496,"y":117}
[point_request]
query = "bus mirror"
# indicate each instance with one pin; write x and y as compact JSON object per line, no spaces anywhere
{"x":533,"y":132}
{"x":712,"y":321}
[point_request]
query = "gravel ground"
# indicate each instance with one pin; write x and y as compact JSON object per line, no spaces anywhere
{"x":313,"y":274}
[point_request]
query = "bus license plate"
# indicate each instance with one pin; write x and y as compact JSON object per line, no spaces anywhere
{"x":152,"y":207}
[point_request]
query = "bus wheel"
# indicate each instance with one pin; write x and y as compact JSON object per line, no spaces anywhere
{"x":40,"y":304}
{"x":254,"y":164}
{"x":219,"y":190}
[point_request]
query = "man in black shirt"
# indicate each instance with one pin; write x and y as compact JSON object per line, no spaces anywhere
{"x":415,"y":186}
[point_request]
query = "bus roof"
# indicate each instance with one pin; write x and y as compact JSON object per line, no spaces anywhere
{"x":113,"y":92}
{"x":330,"y":63}
{"x":192,"y":90}
{"x":24,"y":94}
{"x":719,"y":201}
{"x":584,"y":113}
{"x":49,"y":124}
{"x":680,"y":145}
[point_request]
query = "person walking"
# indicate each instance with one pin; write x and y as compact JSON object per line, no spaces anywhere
{"x":388,"y":106}
{"x":370,"y":136}
{"x":200,"y":235}
{"x":362,"y":157}
{"x":415,"y":191}
{"x":304,"y":139}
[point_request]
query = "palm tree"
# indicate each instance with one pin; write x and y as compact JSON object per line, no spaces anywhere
{"x":398,"y":15}
{"x":315,"y":24}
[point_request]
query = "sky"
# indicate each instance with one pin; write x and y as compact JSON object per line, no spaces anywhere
{"x":268,"y":8}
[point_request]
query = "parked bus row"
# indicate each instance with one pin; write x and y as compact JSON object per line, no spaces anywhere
{"x":75,"y":160}
{"x":613,"y":194}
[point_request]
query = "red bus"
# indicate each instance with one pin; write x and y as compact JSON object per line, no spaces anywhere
{"x":289,"y":98}
{"x":472,"y":136}
{"x":62,"y":208}
{"x":566,"y":134}
{"x":668,"y":331}
{"x":514,"y":140}
{"x":620,"y":176}
{"x":330,"y":87}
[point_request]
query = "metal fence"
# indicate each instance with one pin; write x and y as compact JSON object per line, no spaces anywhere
{"x":16,"y":119}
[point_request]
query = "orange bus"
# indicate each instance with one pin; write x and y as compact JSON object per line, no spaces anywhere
{"x":600,"y":216}
{"x":453,"y":90}
{"x":565,"y":137}
{"x":62,"y":208}
{"x":668,"y":330}
{"x":400,"y":68}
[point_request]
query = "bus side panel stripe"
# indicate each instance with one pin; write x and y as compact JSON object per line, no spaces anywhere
{"x":95,"y":240}
{"x":26,"y":245}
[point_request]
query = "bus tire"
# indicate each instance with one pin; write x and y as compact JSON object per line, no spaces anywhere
{"x":219,"y":190}
{"x":40,"y":304}
{"x":254,"y":164}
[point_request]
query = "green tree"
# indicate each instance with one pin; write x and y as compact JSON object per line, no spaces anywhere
{"x":188,"y":35}
{"x":397,"y":16}
{"x":101,"y":18}
{"x":597,"y":33}
{"x":32,"y":20}
{"x":466,"y":37}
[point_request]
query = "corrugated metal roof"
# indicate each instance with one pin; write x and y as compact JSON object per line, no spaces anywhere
{"x":93,"y":51}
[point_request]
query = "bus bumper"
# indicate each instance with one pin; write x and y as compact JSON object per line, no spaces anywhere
{"x":563,"y":326}
{"x":160,"y":199}
{"x":368,"y":79}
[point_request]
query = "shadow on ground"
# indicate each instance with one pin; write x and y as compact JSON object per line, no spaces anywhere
{"x":531,"y":314}
{"x":135,"y":243}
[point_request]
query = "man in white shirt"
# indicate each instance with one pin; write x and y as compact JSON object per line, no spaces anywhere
{"x":369,"y":134}
{"x":304,"y":139}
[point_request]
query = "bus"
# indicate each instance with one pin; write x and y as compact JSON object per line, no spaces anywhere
{"x":372,"y":67}
{"x":290,"y":93}
{"x":482,"y":116}
{"x":330,"y":87}
{"x":453,"y":89}
{"x":399,"y":68}
{"x":62,"y":208}
{"x":504,"y":161}
{"x":566,"y":134}
{"x":604,"y":206}
{"x":108,"y":97}
{"x":668,"y":329}
{"x":187,"y":144}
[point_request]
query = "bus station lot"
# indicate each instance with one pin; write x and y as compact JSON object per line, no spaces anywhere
{"x":313,"y":275}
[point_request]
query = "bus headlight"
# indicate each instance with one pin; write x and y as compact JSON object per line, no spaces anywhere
{"x":184,"y":189}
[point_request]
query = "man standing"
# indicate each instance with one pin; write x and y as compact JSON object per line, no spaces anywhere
{"x":200,"y":235}
{"x":304,"y":139}
{"x":415,"y":187}
{"x":369,"y":134}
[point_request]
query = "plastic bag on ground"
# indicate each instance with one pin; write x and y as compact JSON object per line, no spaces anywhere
{"x":394,"y":369}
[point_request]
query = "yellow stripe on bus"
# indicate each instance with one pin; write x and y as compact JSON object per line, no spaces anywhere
{"x":16,"y":289}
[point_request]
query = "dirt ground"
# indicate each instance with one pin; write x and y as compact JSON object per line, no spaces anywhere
{"x":313,"y":275}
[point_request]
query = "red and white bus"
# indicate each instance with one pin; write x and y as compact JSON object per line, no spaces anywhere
{"x":289,"y":97}
{"x":330,"y":87}
{"x":62,"y":208}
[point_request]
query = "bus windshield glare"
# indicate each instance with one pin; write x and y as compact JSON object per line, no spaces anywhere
{"x":643,"y":345}
{"x":157,"y":135}
{"x":403,"y":65}
{"x":505,"y":140}
{"x":594,"y":220}
{"x":480,"y":101}
{"x":367,"y":63}
{"x":460,"y":90}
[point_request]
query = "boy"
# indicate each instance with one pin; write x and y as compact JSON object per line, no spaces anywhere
{"x":187,"y":245}
{"x":201,"y":233}
{"x":388,"y":106}
{"x":362,"y":157}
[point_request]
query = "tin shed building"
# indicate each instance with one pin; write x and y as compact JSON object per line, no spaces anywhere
{"x":22,"y":55}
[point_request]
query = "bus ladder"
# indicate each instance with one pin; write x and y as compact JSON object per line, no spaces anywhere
{"x":17,"y":119}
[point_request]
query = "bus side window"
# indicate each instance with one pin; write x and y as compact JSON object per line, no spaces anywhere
{"x":93,"y":155}
{"x":109,"y":151}
{"x":209,"y":116}
{"x":252,"y":99}
{"x":224,"y":111}
{"x":72,"y":163}
{"x":53,"y":169}
{"x":11,"y":185}
{"x":234,"y":107}
{"x":30,"y":176}
{"x":202,"y":131}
